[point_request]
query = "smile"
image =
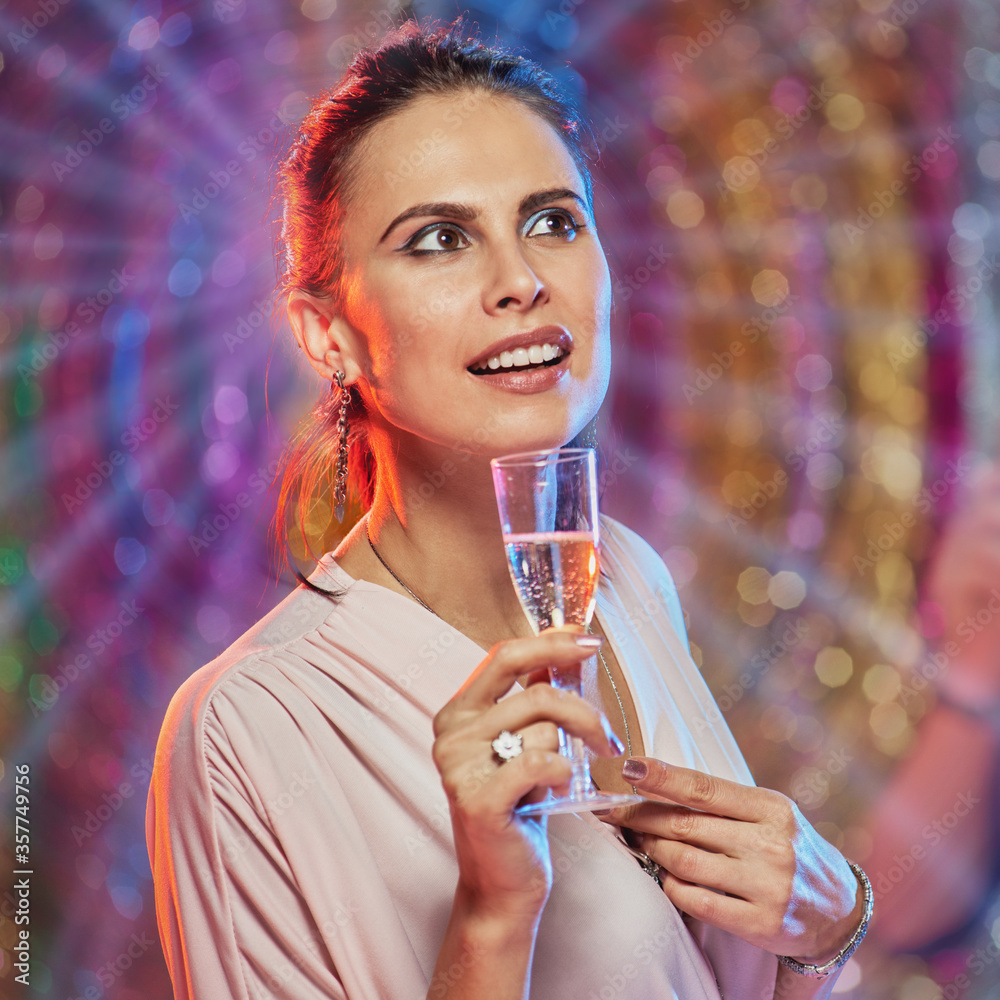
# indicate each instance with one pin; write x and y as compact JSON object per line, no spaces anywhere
{"x":521,"y":358}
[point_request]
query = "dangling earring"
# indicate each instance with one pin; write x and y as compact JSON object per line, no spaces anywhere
{"x":340,"y":475}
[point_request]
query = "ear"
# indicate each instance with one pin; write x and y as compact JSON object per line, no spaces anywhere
{"x":328,"y":340}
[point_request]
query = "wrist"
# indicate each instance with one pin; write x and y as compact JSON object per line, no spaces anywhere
{"x":849,"y":932}
{"x":501,"y":920}
{"x":834,"y":937}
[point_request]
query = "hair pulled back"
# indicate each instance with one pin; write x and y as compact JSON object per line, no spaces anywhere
{"x":314,"y":185}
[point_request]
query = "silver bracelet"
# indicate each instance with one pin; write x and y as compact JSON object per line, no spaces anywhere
{"x":822,"y":971}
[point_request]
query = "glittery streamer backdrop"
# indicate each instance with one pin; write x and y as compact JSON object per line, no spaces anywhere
{"x":799,"y":203}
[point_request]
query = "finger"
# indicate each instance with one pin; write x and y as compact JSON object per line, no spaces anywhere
{"x":508,"y":660}
{"x":544,"y":703}
{"x":725,"y":912}
{"x":719,"y":834}
{"x":706,"y":868}
{"x":494,"y":799}
{"x":698,"y":790}
{"x":537,"y":677}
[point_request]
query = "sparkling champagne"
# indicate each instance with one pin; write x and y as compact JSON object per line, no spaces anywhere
{"x":555,"y":574}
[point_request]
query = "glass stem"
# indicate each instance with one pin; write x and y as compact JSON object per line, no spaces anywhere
{"x":576,"y":751}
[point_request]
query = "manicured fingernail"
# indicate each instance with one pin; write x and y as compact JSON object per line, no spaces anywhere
{"x":588,"y":641}
{"x":634,"y":769}
{"x":602,"y":813}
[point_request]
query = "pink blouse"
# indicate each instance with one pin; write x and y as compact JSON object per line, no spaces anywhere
{"x":300,"y":838}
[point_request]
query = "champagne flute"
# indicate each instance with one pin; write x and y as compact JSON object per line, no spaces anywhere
{"x":549,"y":519}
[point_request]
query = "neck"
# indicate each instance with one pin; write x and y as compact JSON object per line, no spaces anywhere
{"x":436,"y":526}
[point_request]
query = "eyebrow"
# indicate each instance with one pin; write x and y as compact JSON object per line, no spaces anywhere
{"x":466,"y":213}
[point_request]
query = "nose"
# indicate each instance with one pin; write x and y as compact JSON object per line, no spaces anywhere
{"x":514,"y":284}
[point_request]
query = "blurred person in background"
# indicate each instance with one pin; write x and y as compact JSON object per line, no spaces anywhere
{"x":935,"y":859}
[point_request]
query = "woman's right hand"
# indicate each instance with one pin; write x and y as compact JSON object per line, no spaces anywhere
{"x":503,"y":860}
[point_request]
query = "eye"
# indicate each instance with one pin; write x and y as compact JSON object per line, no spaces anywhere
{"x":437,"y":239}
{"x":555,"y":223}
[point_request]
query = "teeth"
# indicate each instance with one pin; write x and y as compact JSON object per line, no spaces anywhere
{"x":536,"y":354}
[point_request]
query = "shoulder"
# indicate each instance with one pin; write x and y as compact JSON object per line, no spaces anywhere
{"x":632,"y":563}
{"x":252,"y":679}
{"x":628,"y":544}
{"x":625,"y":550}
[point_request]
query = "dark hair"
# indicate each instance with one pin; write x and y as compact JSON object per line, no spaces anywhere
{"x":315,"y":181}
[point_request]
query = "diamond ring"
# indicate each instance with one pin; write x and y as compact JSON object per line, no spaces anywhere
{"x":508,"y":745}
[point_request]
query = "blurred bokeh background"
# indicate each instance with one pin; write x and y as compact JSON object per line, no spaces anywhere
{"x":799,"y":202}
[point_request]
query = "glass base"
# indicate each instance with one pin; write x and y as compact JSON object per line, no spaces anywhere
{"x":591,"y":802}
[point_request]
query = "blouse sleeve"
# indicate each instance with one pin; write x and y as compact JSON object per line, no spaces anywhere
{"x":232,"y":920}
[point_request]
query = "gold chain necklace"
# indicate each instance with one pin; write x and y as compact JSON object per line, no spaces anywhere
{"x":390,"y":572}
{"x":621,"y":708}
{"x":649,"y":866}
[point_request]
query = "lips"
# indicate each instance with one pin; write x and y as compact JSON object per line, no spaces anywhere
{"x":545,"y":346}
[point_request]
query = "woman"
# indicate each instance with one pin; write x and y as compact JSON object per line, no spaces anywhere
{"x":328,"y":817}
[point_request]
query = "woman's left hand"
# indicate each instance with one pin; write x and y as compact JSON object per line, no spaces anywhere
{"x":788,"y":890}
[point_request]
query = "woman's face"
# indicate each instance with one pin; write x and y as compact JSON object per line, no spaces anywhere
{"x":476,"y":293}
